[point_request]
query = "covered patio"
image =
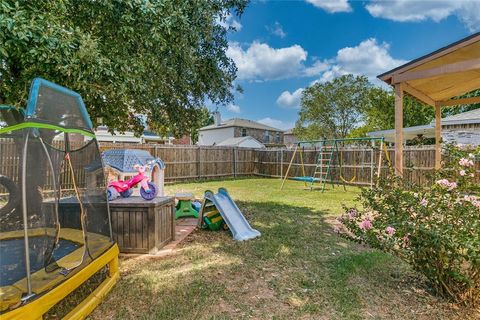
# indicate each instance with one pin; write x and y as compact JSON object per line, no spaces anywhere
{"x":437,"y":79}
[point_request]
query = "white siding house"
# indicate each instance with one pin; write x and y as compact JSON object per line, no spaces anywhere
{"x":214,"y":137}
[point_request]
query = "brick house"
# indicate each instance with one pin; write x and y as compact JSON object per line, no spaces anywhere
{"x":462,"y":128}
{"x":236,"y":127}
{"x":289,"y":139}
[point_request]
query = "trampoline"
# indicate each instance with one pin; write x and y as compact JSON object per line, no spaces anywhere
{"x":55,"y":230}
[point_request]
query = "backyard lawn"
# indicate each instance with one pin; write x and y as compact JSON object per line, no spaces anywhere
{"x":298,"y":269}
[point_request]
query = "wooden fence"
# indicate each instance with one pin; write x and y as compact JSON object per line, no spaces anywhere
{"x":184,"y":163}
{"x":359,"y":165}
{"x":187,"y":163}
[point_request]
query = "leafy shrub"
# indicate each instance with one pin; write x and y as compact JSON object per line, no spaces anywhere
{"x":434,"y":229}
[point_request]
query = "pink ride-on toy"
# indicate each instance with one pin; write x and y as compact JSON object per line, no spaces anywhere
{"x":148,"y":189}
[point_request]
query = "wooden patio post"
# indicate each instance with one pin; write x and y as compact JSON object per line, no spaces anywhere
{"x":399,"y":129}
{"x":438,"y":136}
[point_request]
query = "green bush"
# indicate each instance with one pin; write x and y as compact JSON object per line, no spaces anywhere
{"x":436,"y":229}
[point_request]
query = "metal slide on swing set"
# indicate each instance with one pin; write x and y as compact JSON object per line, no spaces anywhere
{"x":325,"y":159}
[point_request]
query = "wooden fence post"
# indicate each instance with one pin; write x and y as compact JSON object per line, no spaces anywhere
{"x":281,"y":163}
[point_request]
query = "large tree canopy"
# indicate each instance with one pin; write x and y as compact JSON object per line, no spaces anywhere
{"x":350,"y":106}
{"x":332,"y":109}
{"x":159,"y":58}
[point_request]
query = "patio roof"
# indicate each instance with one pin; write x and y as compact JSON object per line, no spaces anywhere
{"x":436,"y":79}
{"x":443,"y":74}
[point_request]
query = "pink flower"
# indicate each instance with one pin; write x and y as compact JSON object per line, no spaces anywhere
{"x":470,"y":198}
{"x":366,"y":224}
{"x":462,"y":172}
{"x":424,"y":202}
{"x":352,"y":213}
{"x":476,"y":203}
{"x":464,"y":162}
{"x":447,"y":184}
{"x":472,"y":175}
{"x":390,"y":230}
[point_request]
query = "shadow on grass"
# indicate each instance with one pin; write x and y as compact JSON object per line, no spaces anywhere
{"x":298,"y":268}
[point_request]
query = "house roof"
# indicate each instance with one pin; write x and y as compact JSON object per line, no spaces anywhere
{"x":428,"y":130}
{"x":124,"y":159}
{"x":239,"y":140}
{"x":238,"y":122}
{"x":441,"y":75}
{"x":472,"y":116}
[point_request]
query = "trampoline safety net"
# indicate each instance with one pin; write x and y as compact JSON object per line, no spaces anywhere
{"x":54,"y":216}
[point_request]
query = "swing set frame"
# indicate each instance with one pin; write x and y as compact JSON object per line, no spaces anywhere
{"x":333,"y":144}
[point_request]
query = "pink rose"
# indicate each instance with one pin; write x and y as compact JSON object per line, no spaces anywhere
{"x":462,"y":172}
{"x":390,"y":230}
{"x":447,"y":184}
{"x":352,"y":213}
{"x":366,"y":225}
{"x":424,"y":202}
{"x":464,"y":162}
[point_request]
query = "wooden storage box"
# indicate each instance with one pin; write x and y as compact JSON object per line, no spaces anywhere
{"x":141,"y":226}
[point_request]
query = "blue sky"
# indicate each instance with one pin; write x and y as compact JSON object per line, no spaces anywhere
{"x":280,"y":47}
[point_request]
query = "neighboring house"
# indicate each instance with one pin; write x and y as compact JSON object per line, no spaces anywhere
{"x":185,"y":140}
{"x":103,"y":135}
{"x":234,"y":128}
{"x":463,"y":128}
{"x":289,"y":139}
{"x":242,"y":142}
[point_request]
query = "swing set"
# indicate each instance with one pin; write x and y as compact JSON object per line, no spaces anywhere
{"x":330,"y":151}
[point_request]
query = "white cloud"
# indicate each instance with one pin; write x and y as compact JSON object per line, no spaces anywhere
{"x":316,"y":68}
{"x":467,"y":11}
{"x":230,"y":22}
{"x":279,"y":124}
{"x":233,"y":108}
{"x":368,"y":58}
{"x":332,"y":6}
{"x":262,"y":62}
{"x":290,"y":100}
{"x":277,"y":30}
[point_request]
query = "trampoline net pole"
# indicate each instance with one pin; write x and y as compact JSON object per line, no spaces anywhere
{"x":25,"y":214}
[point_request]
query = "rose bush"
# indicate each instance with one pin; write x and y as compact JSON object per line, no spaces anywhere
{"x":436,"y":229}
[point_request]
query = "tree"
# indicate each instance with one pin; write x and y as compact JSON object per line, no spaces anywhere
{"x":379,"y":112}
{"x":332,"y":109}
{"x":204,"y":119}
{"x":156,"y":58}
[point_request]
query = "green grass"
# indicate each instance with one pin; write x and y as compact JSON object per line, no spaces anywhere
{"x":298,"y":269}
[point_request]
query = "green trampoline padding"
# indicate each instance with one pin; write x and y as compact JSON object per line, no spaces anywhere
{"x":39,"y":125}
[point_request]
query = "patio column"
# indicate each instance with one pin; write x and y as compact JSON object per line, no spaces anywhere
{"x":399,"y":129}
{"x":438,"y":136}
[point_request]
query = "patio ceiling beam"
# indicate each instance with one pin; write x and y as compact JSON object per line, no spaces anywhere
{"x":456,"y":102}
{"x":418,"y":94}
{"x":463,"y":66}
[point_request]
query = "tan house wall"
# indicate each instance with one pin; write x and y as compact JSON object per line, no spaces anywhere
{"x":289,"y":140}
